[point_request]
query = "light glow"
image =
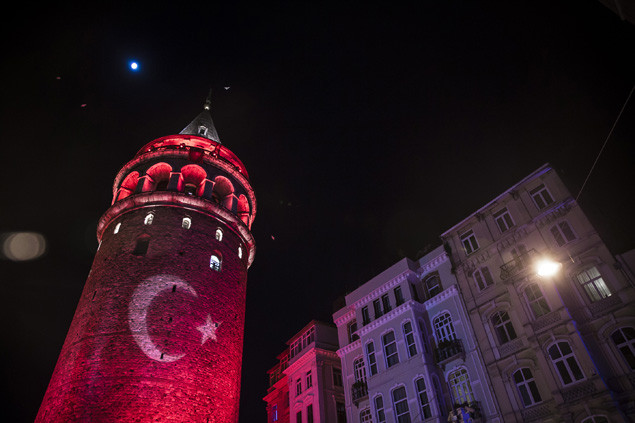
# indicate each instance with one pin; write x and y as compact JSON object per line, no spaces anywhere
{"x":547,"y":268}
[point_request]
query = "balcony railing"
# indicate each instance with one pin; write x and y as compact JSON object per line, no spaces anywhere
{"x":518,"y":264}
{"x":359,"y":391}
{"x":447,"y":350}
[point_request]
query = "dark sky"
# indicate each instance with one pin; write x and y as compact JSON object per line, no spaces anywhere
{"x":367,"y":131}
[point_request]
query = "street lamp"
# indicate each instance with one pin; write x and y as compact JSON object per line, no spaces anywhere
{"x":547,"y":268}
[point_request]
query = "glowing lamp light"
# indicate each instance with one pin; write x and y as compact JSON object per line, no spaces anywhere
{"x":134,"y":66}
{"x":547,"y":268}
{"x":23,"y":246}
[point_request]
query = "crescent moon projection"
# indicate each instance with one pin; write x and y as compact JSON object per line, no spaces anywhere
{"x":138,"y":311}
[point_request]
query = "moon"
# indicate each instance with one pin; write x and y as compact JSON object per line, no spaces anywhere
{"x":138,"y":311}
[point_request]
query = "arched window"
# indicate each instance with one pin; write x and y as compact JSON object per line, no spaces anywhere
{"x":565,"y":362}
{"x":390,"y":349}
{"x":537,"y":302}
{"x":116,"y":231}
{"x":242,"y":209}
{"x":370,"y":358}
{"x":483,"y":278}
{"x":223,"y":192}
{"x":128,"y":185}
{"x":409,"y":336}
{"x":562,"y":233}
{"x":624,"y":339}
{"x":527,"y":388}
{"x":352,"y":331}
{"x":443,"y":328}
{"x":359,"y":370}
{"x":219,"y":234}
{"x":424,"y":403}
{"x":157,"y":177}
{"x":400,"y":405}
{"x":148,"y":219}
{"x":215,"y":262}
{"x":192,"y":180}
{"x":438,"y":393}
{"x":433,"y":285}
{"x":186,"y":223}
{"x":460,"y":387}
{"x":240,"y":252}
{"x":379,"y":409}
{"x":503,"y":327}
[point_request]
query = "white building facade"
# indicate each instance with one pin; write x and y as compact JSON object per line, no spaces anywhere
{"x":407,"y":349}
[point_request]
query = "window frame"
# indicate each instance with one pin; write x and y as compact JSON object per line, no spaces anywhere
{"x":359,"y":369}
{"x":403,"y":417}
{"x":483,"y":276}
{"x":559,"y":233}
{"x":380,"y":411}
{"x":540,"y":301}
{"x":409,"y":337}
{"x":601,"y":289}
{"x":566,"y":360}
{"x":469,"y":242}
{"x":371,"y":358}
{"x":526,"y":387}
{"x":503,"y":327}
{"x":627,"y":344}
{"x":465,"y":394}
{"x":503,"y":218}
{"x":385,"y":345}
{"x":444,"y":335}
{"x":424,"y":406}
{"x":538,"y":192}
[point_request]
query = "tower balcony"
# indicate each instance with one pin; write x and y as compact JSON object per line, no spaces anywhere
{"x":518,"y":265}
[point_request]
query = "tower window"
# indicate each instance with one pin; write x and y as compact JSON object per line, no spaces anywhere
{"x":214,"y":262}
{"x":219,"y":234}
{"x":240,"y":252}
{"x":202,"y":131}
{"x":187,"y":223}
{"x":148,"y":219}
{"x":116,"y":231}
{"x":141,"y":247}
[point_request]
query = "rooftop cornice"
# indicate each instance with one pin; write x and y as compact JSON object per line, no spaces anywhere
{"x":357,"y":344}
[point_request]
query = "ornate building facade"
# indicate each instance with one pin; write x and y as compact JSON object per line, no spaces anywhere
{"x":158,"y":332}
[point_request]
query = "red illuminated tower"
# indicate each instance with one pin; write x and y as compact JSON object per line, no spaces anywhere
{"x":158,"y":332}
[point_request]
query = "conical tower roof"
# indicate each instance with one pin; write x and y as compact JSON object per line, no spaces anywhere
{"x":203,"y":125}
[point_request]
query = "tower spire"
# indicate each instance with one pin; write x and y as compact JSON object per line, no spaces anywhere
{"x":203,"y":125}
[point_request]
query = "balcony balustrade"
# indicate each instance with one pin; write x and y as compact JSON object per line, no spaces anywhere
{"x":359,"y":391}
{"x":447,"y":350}
{"x":518,"y":264}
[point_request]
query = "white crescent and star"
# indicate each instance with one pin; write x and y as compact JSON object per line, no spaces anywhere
{"x":138,"y":311}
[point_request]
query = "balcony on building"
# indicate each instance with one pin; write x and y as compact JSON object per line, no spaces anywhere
{"x":518,"y":265}
{"x":448,"y":350}
{"x":359,"y":391}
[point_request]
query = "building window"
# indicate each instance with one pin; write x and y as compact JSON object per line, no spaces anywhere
{"x":370,"y":357}
{"x":399,"y":300}
{"x":596,"y":419}
{"x":460,"y":387}
{"x":443,"y":328}
{"x":337,"y":376}
{"x":537,"y":302}
{"x":438,"y":394}
{"x":309,"y":413}
{"x":433,"y":285}
{"x":468,"y":240}
{"x":141,"y":246}
{"x":359,"y":370}
{"x":409,"y":336}
{"x":503,"y":220}
{"x":379,"y":409}
{"x":186,"y":223}
{"x":483,"y":277}
{"x":385,"y":302}
{"x":527,"y":388}
{"x":400,"y":404}
{"x":214,"y":262}
{"x":624,"y":339}
{"x":352,"y":328}
{"x":240,"y":252}
{"x":219,"y":234}
{"x":148,"y":219}
{"x":274,"y":413}
{"x":298,"y":417}
{"x":390,"y":349}
{"x":424,"y":404}
{"x":541,"y":196}
{"x":562,"y":233}
{"x":309,"y":379}
{"x":593,"y":284}
{"x":365,"y":316}
{"x":377,"y":309}
{"x":503,"y":327}
{"x":566,"y":364}
{"x":340,"y":411}
{"x":365,"y":416}
{"x":298,"y":387}
{"x":116,"y":231}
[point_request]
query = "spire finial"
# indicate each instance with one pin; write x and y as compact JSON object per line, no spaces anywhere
{"x":208,"y":101}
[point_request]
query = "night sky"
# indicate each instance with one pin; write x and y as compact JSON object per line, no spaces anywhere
{"x":367,"y":131}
